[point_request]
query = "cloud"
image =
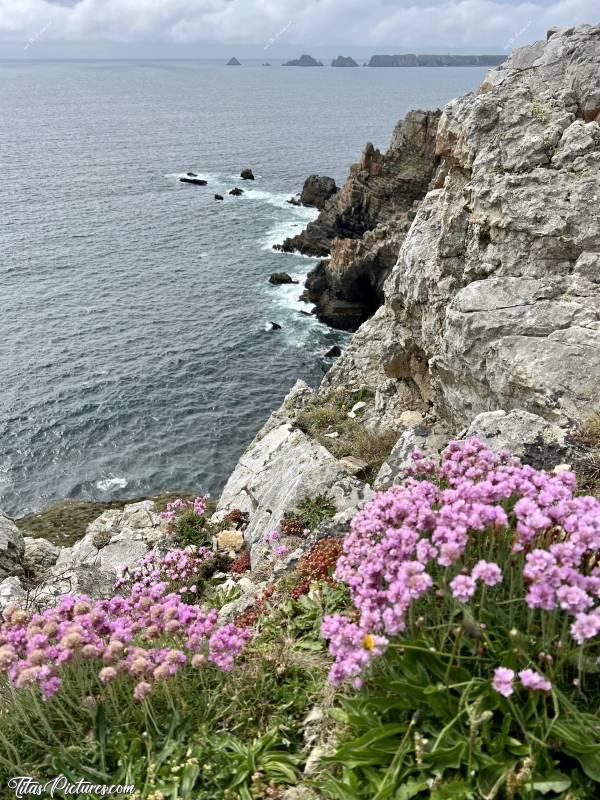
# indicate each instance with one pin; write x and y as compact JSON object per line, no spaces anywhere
{"x":386,"y":25}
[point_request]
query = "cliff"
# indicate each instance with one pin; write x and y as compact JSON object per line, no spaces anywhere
{"x":363,"y":225}
{"x":490,"y":319}
{"x":412,"y":60}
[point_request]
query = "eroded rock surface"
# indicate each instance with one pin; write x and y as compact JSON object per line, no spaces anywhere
{"x":494,"y":301}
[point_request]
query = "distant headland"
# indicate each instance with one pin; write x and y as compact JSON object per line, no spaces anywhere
{"x":412,"y":60}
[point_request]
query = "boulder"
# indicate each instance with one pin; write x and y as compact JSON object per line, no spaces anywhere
{"x":317,"y":190}
{"x":236,"y":192}
{"x":12,"y":591}
{"x":334,"y":352}
{"x":534,"y":440}
{"x":278,"y":278}
{"x":193,"y":181}
{"x":116,"y":539}
{"x":230,"y":540}
{"x":38,"y":557}
{"x":247,"y":174}
{"x":218,"y":197}
{"x":280,"y":468}
{"x":12,"y":547}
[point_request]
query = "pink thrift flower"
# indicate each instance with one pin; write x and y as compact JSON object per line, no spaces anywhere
{"x":503,"y":681}
{"x":142,"y":690}
{"x":487,"y":572}
{"x":534,"y":681}
{"x":463,"y":588}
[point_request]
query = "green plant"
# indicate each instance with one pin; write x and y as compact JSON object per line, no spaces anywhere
{"x":315,"y":510}
{"x":190,"y":528}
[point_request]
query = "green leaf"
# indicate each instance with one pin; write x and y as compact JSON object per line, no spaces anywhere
{"x":411,"y":789}
{"x":555,"y":782}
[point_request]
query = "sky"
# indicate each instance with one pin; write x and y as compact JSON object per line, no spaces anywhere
{"x":279,"y":28}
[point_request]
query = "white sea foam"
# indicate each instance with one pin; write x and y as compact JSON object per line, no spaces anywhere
{"x":108,"y":484}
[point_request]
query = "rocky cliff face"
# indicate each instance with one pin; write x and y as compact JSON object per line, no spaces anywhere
{"x":363,"y":225}
{"x":490,"y":324}
{"x":494,"y":300}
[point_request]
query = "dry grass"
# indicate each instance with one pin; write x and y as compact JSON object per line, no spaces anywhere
{"x":330,"y":415}
{"x":588,"y":433}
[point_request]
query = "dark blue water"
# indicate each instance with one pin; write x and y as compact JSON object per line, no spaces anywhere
{"x":133,"y":351}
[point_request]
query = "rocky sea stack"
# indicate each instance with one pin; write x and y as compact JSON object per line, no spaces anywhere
{"x":233,"y":62}
{"x":304,"y":61}
{"x":344,"y":61}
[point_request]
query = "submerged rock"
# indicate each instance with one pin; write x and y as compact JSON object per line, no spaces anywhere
{"x":334,"y":352}
{"x":236,"y":192}
{"x":218,"y":197}
{"x":274,"y":326}
{"x":193,"y":181}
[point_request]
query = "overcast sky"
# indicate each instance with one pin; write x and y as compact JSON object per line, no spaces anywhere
{"x":37,"y":28}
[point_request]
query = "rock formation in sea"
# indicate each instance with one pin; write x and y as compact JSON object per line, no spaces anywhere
{"x":317,"y":190}
{"x":233,"y":62}
{"x":304,"y":61}
{"x":363,"y":224}
{"x":344,"y":61}
{"x":413,"y":60}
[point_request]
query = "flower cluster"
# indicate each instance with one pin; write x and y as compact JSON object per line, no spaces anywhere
{"x":175,"y":567}
{"x":504,"y":678}
{"x":149,"y":635}
{"x":421,"y":536}
{"x":177,"y":506}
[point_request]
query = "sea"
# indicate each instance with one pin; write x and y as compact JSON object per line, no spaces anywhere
{"x":137,"y":354}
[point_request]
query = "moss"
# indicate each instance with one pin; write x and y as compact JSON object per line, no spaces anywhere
{"x":64,"y":523}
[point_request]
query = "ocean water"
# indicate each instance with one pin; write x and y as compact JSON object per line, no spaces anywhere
{"x":134,"y":351}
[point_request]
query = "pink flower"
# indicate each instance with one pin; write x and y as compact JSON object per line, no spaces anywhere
{"x":281,"y":550}
{"x":503,"y":681}
{"x":487,"y":572}
{"x":463,"y":588}
{"x":142,"y":690}
{"x":534,"y":681}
